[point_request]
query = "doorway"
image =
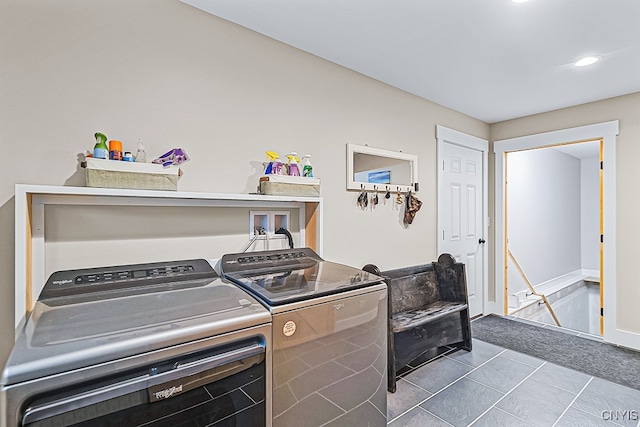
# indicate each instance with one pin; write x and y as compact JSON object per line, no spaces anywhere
{"x":552,"y":233}
{"x":607,"y":131}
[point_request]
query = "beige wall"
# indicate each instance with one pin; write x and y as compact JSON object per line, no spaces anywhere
{"x":176,"y":76}
{"x":626,"y":109}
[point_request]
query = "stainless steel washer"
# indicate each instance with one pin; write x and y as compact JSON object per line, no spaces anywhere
{"x":147,"y":344}
{"x":329,"y":336}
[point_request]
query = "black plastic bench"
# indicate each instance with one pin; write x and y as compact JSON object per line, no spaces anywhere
{"x":428,"y":308}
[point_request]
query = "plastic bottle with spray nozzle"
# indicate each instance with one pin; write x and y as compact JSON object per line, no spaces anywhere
{"x":275,"y":165}
{"x":293,"y":168}
{"x":141,"y":154}
{"x":100,"y":150}
{"x":307,"y":169}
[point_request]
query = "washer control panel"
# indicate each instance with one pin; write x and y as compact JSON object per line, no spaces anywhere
{"x":269,"y":261}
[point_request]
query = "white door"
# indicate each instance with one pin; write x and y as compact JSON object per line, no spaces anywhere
{"x":461,"y":211}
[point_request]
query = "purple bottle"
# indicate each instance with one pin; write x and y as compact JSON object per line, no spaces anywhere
{"x":294,"y":170}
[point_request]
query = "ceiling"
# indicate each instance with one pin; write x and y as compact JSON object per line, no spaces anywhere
{"x":581,"y":150}
{"x":490,"y":59}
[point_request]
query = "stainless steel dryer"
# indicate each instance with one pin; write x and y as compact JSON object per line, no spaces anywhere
{"x":329,"y":336}
{"x":148,"y":344}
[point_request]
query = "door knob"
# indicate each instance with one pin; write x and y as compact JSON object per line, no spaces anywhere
{"x":481,"y":241}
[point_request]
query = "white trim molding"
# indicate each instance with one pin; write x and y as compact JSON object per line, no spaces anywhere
{"x":607,"y":132}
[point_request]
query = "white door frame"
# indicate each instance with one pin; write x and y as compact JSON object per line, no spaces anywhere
{"x":606,"y":131}
{"x":446,"y":135}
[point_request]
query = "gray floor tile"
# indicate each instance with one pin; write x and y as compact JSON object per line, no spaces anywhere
{"x":418,"y":417}
{"x":536,"y":402}
{"x":482,"y":351}
{"x":522,"y":358}
{"x":438,"y":374}
{"x":501,"y":373}
{"x":462,"y":402}
{"x":576,"y":418}
{"x":498,"y":418}
{"x":564,"y":378}
{"x":406,"y":396}
{"x":604,"y":399}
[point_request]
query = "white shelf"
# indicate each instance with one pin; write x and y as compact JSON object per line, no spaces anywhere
{"x":30,"y":201}
{"x":158,"y":196}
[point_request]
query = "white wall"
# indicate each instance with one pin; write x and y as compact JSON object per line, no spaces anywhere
{"x":543,"y":199}
{"x":590,"y":213}
{"x":177,"y":76}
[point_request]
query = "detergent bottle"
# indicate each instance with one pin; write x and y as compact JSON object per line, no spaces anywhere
{"x":307,"y":169}
{"x":294,"y":170}
{"x":275,"y":165}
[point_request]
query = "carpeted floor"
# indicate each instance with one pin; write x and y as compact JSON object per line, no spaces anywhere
{"x":606,"y":361}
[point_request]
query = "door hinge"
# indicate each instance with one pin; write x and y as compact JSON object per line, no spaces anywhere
{"x":602,"y":165}
{"x":602,"y":312}
{"x":602,"y":238}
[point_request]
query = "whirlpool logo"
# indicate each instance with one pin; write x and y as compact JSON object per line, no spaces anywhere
{"x":168,"y":392}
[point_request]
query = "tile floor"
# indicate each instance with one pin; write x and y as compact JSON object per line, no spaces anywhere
{"x":494,"y":387}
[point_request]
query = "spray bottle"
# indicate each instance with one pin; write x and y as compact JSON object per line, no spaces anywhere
{"x":275,"y":165}
{"x":141,"y":155}
{"x":100,"y":150}
{"x":307,"y":169}
{"x":294,"y":170}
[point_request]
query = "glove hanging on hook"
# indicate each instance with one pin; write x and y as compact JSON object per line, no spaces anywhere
{"x":363,"y":199}
{"x":412,"y":208}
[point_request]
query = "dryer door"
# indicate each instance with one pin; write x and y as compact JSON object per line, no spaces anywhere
{"x":195,"y":389}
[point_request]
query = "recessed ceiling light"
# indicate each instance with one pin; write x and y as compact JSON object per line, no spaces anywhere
{"x":587,"y":60}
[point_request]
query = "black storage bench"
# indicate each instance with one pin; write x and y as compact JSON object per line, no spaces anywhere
{"x":428,"y":308}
